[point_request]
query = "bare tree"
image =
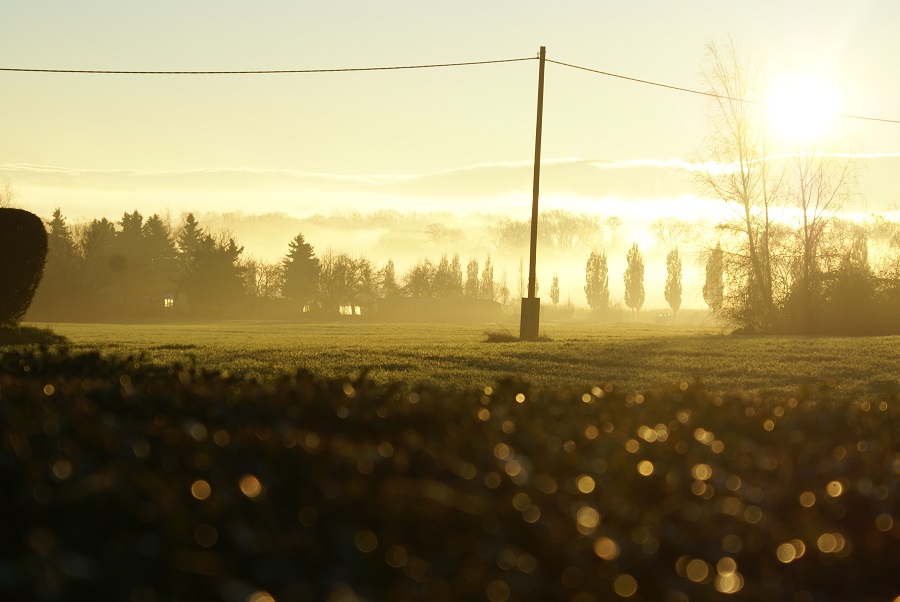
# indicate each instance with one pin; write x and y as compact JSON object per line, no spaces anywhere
{"x":670,"y":232}
{"x":820,"y":186}
{"x":7,"y":193}
{"x":737,"y":171}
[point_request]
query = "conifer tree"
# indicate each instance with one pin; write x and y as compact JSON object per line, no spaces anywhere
{"x":301,"y":272}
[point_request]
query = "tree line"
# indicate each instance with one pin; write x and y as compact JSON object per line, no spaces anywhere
{"x":139,"y":267}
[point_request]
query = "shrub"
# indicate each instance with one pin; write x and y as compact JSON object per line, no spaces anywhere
{"x":23,"y":251}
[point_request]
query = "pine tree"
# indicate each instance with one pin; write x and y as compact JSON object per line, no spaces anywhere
{"x":161,"y":256}
{"x":60,"y":293}
{"x":189,"y":240}
{"x":301,"y":272}
{"x":634,"y":280}
{"x":673,"y":281}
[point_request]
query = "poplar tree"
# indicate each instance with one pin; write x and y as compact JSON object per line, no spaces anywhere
{"x":714,"y":287}
{"x":673,"y":281}
{"x":472,"y":283}
{"x":597,"y":282}
{"x":634,"y":280}
{"x":554,"y":290}
{"x":487,"y":281}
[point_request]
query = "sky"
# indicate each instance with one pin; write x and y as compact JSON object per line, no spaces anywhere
{"x":455,"y":139}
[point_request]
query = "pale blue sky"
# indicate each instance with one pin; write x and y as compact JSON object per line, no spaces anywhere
{"x":414,"y":122}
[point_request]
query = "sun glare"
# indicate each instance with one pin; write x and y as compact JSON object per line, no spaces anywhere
{"x":801,"y":109}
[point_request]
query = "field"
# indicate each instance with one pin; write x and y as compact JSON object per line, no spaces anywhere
{"x":635,"y":357}
{"x":254,"y":462}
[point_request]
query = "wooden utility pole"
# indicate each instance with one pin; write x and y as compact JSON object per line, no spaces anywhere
{"x":531,"y":306}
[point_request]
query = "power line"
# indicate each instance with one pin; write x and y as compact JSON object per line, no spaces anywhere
{"x":266,"y":71}
{"x":702,"y":93}
{"x":423,"y":66}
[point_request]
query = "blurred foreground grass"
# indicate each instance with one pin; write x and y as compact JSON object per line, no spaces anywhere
{"x":125,"y":482}
{"x":630,"y":356}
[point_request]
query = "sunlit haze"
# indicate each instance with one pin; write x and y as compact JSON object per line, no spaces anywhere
{"x":456,"y":140}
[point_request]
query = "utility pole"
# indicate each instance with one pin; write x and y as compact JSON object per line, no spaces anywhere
{"x":531,"y":305}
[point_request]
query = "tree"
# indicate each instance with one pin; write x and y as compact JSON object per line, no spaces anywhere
{"x":419,"y":281}
{"x":98,"y":241}
{"x":634,"y":280}
{"x":554,"y":291}
{"x":596,"y":286}
{"x":456,"y":275}
{"x":473,"y":284}
{"x":300,"y":272}
{"x":819,"y":188}
{"x":775,"y":273}
{"x":389,"y":288}
{"x":345,"y":282}
{"x":7,"y":194}
{"x":487,"y":281}
{"x":673,"y":281}
{"x":669,"y":232}
{"x":209,"y":268}
{"x":714,"y":287}
{"x":59,"y":295}
{"x":263,"y":281}
{"x":23,"y":252}
{"x":444,"y":279}
{"x":161,"y":256}
{"x":742,"y":178}
{"x":189,"y":239}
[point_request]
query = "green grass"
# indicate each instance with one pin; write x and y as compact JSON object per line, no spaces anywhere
{"x":637,"y":357}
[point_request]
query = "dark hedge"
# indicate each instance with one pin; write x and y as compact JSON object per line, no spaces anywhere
{"x":126,"y":482}
{"x":23,"y":252}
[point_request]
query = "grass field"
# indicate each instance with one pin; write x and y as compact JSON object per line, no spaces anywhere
{"x":579,"y":356}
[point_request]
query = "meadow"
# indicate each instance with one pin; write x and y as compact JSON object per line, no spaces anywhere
{"x":630,"y":356}
{"x":260,"y":462}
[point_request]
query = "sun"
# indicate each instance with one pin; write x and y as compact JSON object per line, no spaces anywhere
{"x":800,"y":109}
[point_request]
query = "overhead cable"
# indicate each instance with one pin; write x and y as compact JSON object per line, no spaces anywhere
{"x":702,"y":93}
{"x":267,"y":71}
{"x":423,"y":66}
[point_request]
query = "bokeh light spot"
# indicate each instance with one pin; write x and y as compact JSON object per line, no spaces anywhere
{"x":884,"y":522}
{"x":585,"y":484}
{"x":834,"y":489}
{"x":201,"y":489}
{"x":250,"y":486}
{"x":366,"y":541}
{"x":625,"y":585}
{"x":606,"y":548}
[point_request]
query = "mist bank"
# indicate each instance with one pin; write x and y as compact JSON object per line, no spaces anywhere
{"x":566,"y":240}
{"x":583,"y":185}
